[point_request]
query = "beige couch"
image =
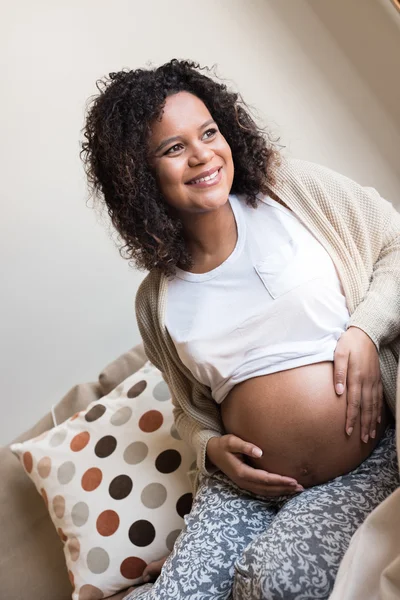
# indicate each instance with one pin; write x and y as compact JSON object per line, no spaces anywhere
{"x":31,"y":556}
{"x":32,"y":563}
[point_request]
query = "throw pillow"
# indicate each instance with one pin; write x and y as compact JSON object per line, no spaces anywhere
{"x":114,"y":479}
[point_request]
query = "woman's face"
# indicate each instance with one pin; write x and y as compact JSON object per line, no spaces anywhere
{"x":185,"y":147}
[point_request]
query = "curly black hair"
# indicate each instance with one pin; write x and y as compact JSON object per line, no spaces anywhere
{"x":115,"y":149}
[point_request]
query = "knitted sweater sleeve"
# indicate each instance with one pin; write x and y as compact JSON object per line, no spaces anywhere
{"x":379,"y":312}
{"x":374,"y":225}
{"x":195,"y":427}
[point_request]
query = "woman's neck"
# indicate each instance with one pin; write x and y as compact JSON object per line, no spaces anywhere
{"x":210,"y":237}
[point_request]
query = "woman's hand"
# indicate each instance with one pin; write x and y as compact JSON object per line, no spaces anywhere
{"x":153,"y":569}
{"x":227,"y":452}
{"x":356,"y":362}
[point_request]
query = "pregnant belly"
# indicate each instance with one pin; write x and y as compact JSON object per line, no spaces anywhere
{"x":298,"y":421}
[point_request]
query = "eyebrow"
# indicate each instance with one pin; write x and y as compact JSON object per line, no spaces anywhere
{"x":177,"y":137}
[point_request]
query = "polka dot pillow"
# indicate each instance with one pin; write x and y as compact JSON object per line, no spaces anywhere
{"x":114,"y":479}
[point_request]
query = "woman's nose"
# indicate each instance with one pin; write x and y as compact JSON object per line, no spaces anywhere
{"x":200,"y":154}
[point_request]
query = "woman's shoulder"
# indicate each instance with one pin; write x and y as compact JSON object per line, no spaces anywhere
{"x":337,"y":195}
{"x":148,"y":291}
{"x":311,"y":174}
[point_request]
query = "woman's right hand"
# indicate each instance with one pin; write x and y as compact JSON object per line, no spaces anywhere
{"x":226,"y":453}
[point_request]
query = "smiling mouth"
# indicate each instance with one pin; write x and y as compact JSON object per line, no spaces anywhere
{"x":208,"y":178}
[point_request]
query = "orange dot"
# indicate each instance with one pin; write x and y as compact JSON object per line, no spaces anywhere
{"x":62,"y":535}
{"x":75,"y":416}
{"x":71,"y":578}
{"x":107,"y":522}
{"x":44,"y":496}
{"x":91,"y":479}
{"x":80,"y":441}
{"x":151,"y":421}
{"x":28,"y":461}
{"x":132,"y":567}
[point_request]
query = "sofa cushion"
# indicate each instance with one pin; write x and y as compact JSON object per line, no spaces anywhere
{"x":114,"y":478}
{"x":32,"y":563}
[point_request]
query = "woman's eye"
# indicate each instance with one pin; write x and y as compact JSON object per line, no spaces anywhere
{"x":210,"y":132}
{"x":173,"y":148}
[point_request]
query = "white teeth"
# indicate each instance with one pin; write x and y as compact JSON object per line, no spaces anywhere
{"x":208,"y":178}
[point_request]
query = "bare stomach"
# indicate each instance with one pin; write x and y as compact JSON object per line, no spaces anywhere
{"x":298,"y":421}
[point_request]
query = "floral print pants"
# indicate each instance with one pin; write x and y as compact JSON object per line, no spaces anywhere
{"x":238,"y":546}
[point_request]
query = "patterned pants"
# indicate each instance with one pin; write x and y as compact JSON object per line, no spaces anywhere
{"x":236,"y":545}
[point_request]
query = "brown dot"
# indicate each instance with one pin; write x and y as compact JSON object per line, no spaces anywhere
{"x":59,"y":506}
{"x":74,"y":548}
{"x":120,"y":487}
{"x":184,"y":504}
{"x":107,"y":522}
{"x":105,"y":446}
{"x":91,"y":479}
{"x":80,"y":441}
{"x":151,"y":421}
{"x":44,"y":467}
{"x":168,"y":461}
{"x":137,"y":389}
{"x":62,"y":535}
{"x":28,"y":461}
{"x":90,"y":592}
{"x":95,"y":413}
{"x":132,"y":567}
{"x":71,"y":578}
{"x":44,"y":496}
{"x":142,"y":533}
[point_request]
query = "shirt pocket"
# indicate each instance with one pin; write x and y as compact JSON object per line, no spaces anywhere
{"x":286,"y":268}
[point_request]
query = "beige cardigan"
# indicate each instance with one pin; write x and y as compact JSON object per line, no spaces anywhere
{"x":361,"y":232}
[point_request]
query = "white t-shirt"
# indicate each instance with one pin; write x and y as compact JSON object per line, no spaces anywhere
{"x":274,"y":304}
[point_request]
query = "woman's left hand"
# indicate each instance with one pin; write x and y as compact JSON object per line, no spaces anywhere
{"x":356,"y":363}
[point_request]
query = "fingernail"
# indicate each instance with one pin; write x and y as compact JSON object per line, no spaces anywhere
{"x":293,"y":483}
{"x":373,"y":434}
{"x":257,"y":452}
{"x":340,"y":388}
{"x":299,"y":488}
{"x":379,"y":419}
{"x":365,"y":438}
{"x":350,"y":430}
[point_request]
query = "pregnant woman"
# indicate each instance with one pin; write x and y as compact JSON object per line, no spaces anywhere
{"x":272,"y":308}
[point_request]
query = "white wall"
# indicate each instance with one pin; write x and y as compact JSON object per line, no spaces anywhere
{"x":67,"y":296}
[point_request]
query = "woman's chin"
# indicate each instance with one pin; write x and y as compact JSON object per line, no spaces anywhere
{"x":211,"y":199}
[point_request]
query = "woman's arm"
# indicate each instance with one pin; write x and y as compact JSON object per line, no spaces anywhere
{"x":195,"y":436}
{"x":369,"y":227}
{"x":191,"y":431}
{"x":378,"y":315}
